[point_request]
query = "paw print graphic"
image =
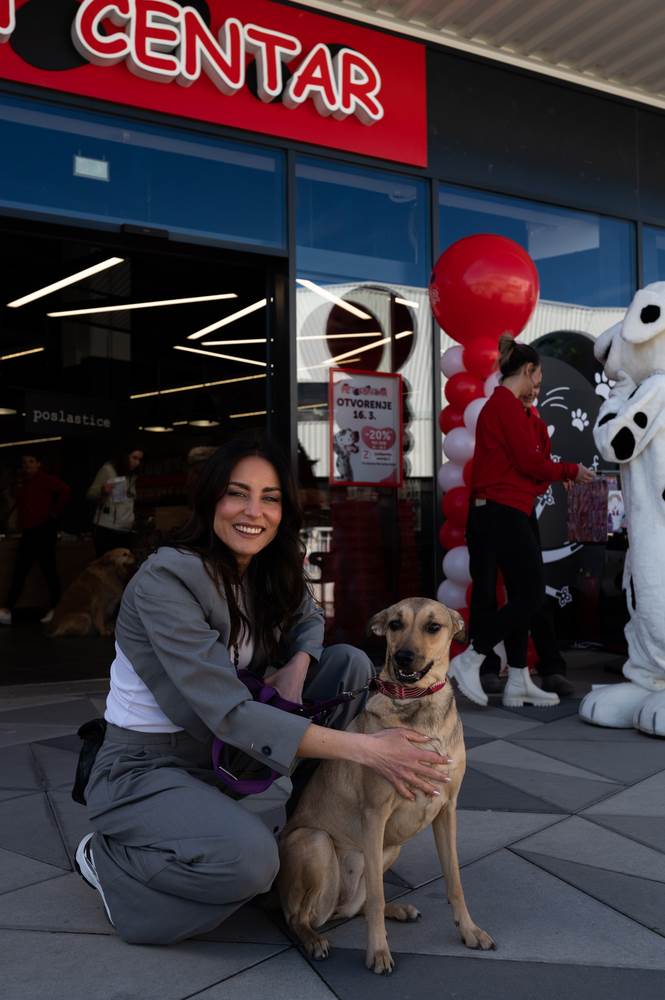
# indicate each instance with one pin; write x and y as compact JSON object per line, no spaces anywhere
{"x":604,"y":385}
{"x":579,"y":419}
{"x":564,"y":596}
{"x":547,"y":498}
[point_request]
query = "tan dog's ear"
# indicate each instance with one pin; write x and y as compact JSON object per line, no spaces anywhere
{"x":458,"y":626}
{"x":378,"y":624}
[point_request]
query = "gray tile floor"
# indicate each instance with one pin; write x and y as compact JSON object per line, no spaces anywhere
{"x":562,"y":843}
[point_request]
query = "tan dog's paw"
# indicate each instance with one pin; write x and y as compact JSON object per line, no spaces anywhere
{"x":475,"y":937}
{"x":402,"y":911}
{"x":380,"y":961}
{"x":317,"y":947}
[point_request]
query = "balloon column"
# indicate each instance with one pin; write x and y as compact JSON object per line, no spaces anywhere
{"x":481,"y":287}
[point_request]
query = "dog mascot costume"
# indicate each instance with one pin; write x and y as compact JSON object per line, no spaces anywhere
{"x":630,"y":430}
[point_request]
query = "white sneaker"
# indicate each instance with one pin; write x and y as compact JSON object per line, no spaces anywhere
{"x":465,"y":669}
{"x":5,"y":616}
{"x":520,"y":690}
{"x":86,"y":868}
{"x":48,"y":617}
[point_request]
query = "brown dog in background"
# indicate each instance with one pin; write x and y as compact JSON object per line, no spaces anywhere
{"x":350,"y":824}
{"x":91,"y":601}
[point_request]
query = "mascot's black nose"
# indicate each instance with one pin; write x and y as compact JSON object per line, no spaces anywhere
{"x":650,"y":314}
{"x":404,"y":657}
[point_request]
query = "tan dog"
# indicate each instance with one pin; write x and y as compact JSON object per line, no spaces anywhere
{"x":350,"y":823}
{"x":93,"y":598}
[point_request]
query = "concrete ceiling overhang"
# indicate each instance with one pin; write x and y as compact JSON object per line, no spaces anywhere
{"x":615,"y":46}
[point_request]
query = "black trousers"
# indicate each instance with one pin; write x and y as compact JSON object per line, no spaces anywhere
{"x":37,"y":545}
{"x":504,"y":539}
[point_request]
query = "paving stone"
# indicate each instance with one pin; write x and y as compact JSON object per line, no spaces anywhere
{"x":27,"y":827}
{"x":645,"y":799}
{"x":71,"y":742}
{"x":573,"y":728}
{"x":565,"y":708}
{"x":66,"y":903}
{"x":481,"y":792}
{"x":567,"y":792}
{"x":638,"y":898}
{"x":625,"y":762}
{"x":18,"y":769}
{"x":649,"y":830}
{"x":81,"y":966}
{"x":507,"y":754}
{"x":12,"y":793}
{"x":494,"y":721}
{"x":425,"y":977}
{"x":64,"y":713}
{"x":57,"y":766}
{"x":575,"y":839}
{"x":16,"y":733}
{"x":533,"y":916}
{"x":287,"y":975}
{"x":72,"y":818}
{"x":251,"y":925}
{"x":17,"y":871}
{"x":478,"y":833}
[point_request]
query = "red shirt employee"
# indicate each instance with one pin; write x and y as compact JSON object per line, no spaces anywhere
{"x":512,"y":465}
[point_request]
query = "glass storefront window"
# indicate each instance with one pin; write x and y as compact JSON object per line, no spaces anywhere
{"x":84,"y":167}
{"x":582,"y":258}
{"x":653,"y":254}
{"x":363,"y":264}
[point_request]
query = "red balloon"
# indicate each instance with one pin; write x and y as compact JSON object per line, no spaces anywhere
{"x":483,"y":286}
{"x":456,"y":506}
{"x":449,"y":418}
{"x":450,"y":536}
{"x":480,"y":356}
{"x":462,"y":389}
{"x":466,"y":472}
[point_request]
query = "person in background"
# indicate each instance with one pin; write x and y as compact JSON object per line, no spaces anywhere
{"x":114,"y":490}
{"x":512,"y":465}
{"x":40,"y":500}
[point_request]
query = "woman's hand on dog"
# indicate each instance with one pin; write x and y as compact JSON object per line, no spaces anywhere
{"x":397,"y":757}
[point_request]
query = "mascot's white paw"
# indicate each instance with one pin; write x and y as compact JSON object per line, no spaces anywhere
{"x":650,"y":716}
{"x":614,"y":705}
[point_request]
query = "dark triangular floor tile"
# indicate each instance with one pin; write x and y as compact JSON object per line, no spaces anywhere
{"x":567,"y":792}
{"x":648,"y":830}
{"x":476,"y":741}
{"x":72,"y":743}
{"x":27,"y":827}
{"x":57,"y":766}
{"x":482,"y":792}
{"x":62,"y":713}
{"x":637,"y":898}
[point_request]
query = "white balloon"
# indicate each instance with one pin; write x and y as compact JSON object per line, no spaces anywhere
{"x":491,"y":383}
{"x":450,"y":476}
{"x":456,"y":565}
{"x":459,"y":445}
{"x":451,"y":361}
{"x":453,"y":595}
{"x":472,"y":412}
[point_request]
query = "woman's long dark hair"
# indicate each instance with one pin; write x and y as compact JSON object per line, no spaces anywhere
{"x":513,"y":355}
{"x":275,"y":580}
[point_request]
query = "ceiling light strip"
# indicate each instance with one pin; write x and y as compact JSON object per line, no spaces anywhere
{"x":347,"y":355}
{"x":21,"y":354}
{"x":340,"y":336}
{"x":251,"y":413}
{"x":71,"y":280}
{"x":16,"y":444}
{"x":142,"y":305}
{"x":225,"y":357}
{"x":325,"y":294}
{"x":191,"y":388}
{"x":233,"y":343}
{"x":261,"y":304}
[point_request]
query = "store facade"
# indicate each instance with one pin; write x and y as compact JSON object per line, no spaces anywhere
{"x":236,"y":198}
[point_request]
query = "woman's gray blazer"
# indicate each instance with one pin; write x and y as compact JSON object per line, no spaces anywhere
{"x":173,"y":627}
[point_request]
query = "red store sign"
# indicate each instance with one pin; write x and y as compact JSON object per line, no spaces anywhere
{"x":248,"y":64}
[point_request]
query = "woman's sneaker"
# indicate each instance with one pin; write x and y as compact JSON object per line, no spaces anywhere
{"x":85,"y":865}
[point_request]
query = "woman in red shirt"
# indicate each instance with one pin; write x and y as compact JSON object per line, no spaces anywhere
{"x":512,"y":465}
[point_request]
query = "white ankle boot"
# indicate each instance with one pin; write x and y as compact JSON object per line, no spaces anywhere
{"x":520,"y":690}
{"x":465,"y":669}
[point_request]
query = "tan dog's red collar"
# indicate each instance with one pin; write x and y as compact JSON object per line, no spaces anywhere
{"x":399,"y":692}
